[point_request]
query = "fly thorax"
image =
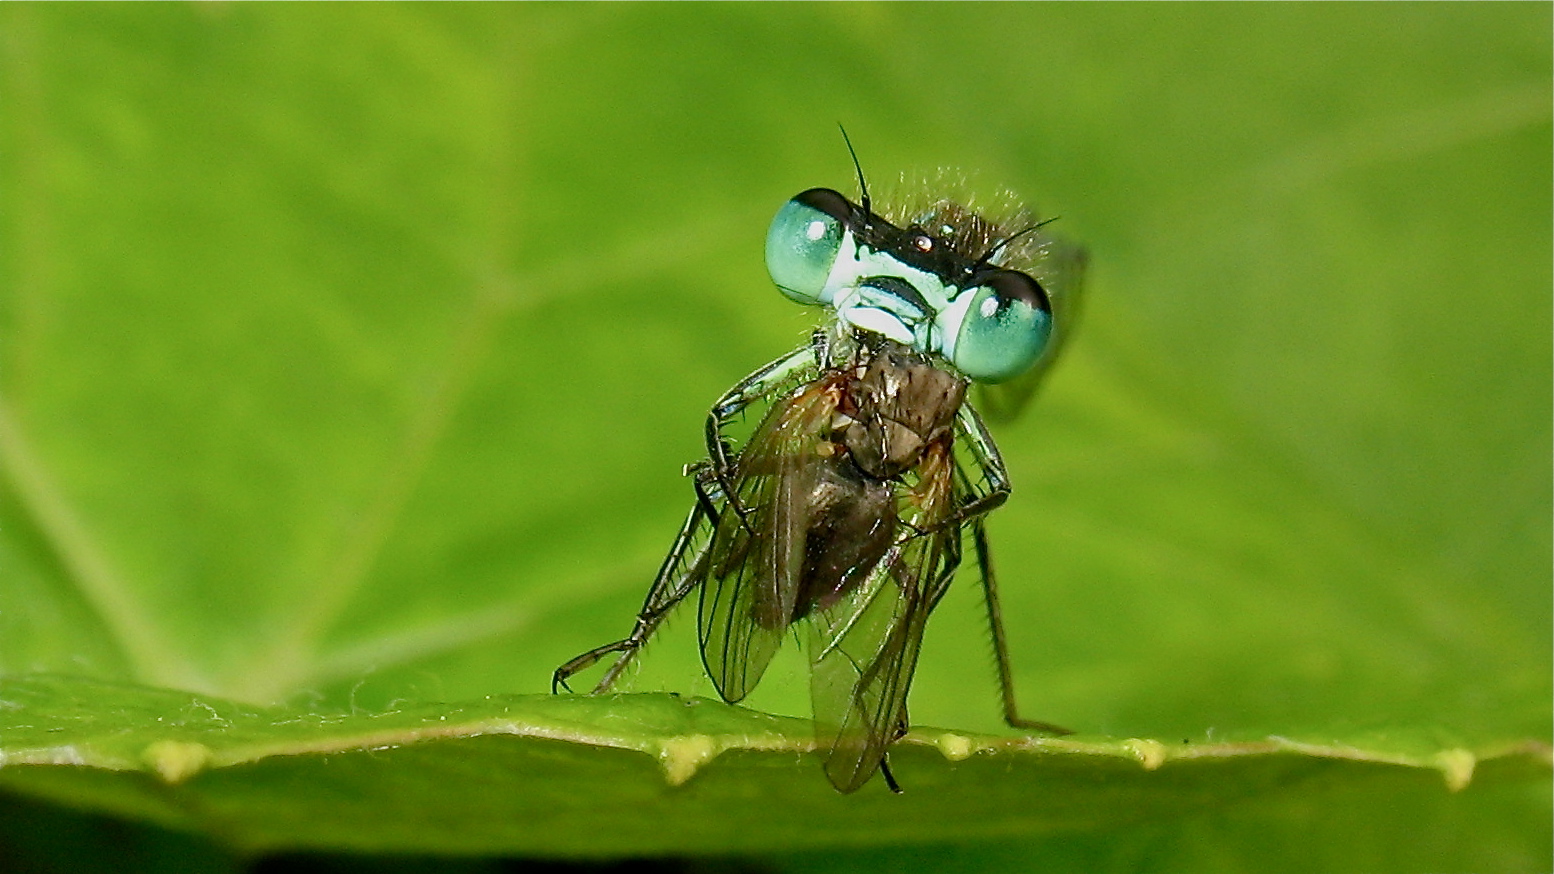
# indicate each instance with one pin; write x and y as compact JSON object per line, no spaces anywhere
{"x":900,"y":405}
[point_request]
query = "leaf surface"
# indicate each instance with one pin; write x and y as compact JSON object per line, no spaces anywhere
{"x":349,"y":356}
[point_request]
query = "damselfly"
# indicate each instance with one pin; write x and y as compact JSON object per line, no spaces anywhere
{"x":848,"y":508}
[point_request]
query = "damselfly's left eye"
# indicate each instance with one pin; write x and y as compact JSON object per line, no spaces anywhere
{"x":1006,"y":328}
{"x":803,"y":243}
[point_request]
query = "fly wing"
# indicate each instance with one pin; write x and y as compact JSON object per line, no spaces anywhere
{"x":755,"y":559}
{"x":1060,"y":268}
{"x":864,"y":649}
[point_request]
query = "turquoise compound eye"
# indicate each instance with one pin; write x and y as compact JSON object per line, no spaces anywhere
{"x":1006,"y":328}
{"x":803,"y":243}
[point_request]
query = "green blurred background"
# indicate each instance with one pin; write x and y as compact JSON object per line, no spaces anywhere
{"x":349,"y":354}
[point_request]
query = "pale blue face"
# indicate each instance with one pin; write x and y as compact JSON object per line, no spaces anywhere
{"x":906,"y":284}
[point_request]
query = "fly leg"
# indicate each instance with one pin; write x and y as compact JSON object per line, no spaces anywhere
{"x":709,"y":492}
{"x":890,"y":779}
{"x":1000,"y":643}
{"x":683,"y":568}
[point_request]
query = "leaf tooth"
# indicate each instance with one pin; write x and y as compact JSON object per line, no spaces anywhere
{"x":1456,"y":766}
{"x":1150,"y":753}
{"x":955,"y":747}
{"x":681,"y":757}
{"x":176,"y":761}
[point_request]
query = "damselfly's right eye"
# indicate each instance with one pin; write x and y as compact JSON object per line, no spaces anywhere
{"x":1006,"y":328}
{"x":803,"y":243}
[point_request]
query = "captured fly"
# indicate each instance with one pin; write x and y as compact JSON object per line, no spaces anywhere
{"x":847,"y":510}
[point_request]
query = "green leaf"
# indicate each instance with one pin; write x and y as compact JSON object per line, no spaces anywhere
{"x":529,"y":774}
{"x":349,"y":356}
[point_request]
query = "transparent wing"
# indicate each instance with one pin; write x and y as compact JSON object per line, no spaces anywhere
{"x":755,"y":559}
{"x":864,"y":650}
{"x":1060,"y":268}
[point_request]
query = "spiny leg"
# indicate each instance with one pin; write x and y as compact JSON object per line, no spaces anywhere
{"x":675,"y":580}
{"x":993,"y":488}
{"x":1000,"y":643}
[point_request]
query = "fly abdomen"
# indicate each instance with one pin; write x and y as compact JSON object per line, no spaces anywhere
{"x":852,"y":526}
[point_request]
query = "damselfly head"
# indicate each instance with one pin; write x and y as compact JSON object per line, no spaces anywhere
{"x":930,"y":272}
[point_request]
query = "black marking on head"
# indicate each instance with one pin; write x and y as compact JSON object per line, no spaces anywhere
{"x":900,"y":288}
